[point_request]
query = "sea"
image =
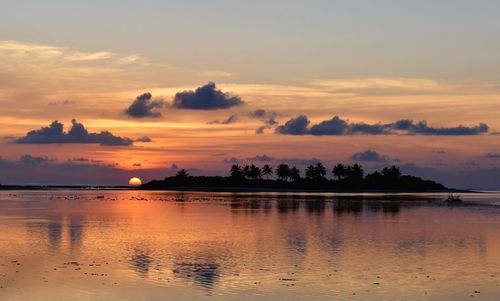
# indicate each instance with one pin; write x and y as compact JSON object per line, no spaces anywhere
{"x":84,"y":244}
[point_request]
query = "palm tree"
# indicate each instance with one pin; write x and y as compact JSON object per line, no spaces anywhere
{"x":267,"y":170}
{"x":255,"y":172}
{"x":391,"y":172}
{"x":236,"y":171}
{"x":182,"y":174}
{"x":310,"y":172}
{"x":283,"y":171}
{"x":320,"y":170}
{"x":339,"y":171}
{"x":317,"y":171}
{"x":246,"y":171}
{"x":356,"y":172}
{"x":295,"y":174}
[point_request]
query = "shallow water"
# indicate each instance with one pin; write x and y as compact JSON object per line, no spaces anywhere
{"x":136,"y":245}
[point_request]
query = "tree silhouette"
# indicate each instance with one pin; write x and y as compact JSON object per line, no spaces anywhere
{"x":316,"y":172}
{"x":236,"y":171}
{"x":295,"y":174}
{"x":391,"y":172}
{"x":283,"y":171}
{"x":267,"y":171}
{"x":320,"y":170}
{"x":339,"y":171}
{"x":255,"y":172}
{"x":348,"y":178}
{"x":246,"y":171}
{"x":355,"y":172}
{"x":310,"y":172}
{"x":182,"y":174}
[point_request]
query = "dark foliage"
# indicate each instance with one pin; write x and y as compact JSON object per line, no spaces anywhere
{"x":346,"y":178}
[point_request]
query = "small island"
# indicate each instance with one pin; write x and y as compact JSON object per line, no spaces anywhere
{"x":346,"y":178}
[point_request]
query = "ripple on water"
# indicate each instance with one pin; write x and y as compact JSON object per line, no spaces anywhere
{"x":236,"y":246}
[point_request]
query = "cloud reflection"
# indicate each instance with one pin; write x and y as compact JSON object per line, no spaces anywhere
{"x":141,"y":262}
{"x":204,"y":274}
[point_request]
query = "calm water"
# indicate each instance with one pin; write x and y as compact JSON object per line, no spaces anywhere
{"x":132,"y":245}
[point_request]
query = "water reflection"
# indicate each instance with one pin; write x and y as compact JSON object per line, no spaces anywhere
{"x":250,"y":205}
{"x":386,"y":206}
{"x":286,"y":206}
{"x":54,"y":232}
{"x":204,"y":274}
{"x":75,"y":230}
{"x":58,"y":228}
{"x":297,"y":241}
{"x":141,"y":262}
{"x":315,"y":206}
{"x":347,"y":206}
{"x":318,"y":204}
{"x":289,"y":245}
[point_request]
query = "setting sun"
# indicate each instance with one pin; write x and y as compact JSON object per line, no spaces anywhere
{"x":135,"y":182}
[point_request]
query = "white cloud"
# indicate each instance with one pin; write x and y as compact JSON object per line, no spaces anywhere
{"x":211,"y":74}
{"x":379,"y":83}
{"x":16,"y":55}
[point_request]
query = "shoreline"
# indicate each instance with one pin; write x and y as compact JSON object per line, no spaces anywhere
{"x":227,"y":189}
{"x":256,"y":189}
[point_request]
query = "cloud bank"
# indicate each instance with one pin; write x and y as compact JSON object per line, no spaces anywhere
{"x":31,"y":169}
{"x":144,"y":139}
{"x":29,"y":160}
{"x":231,"y":160}
{"x":231,"y":119}
{"x":369,"y":156}
{"x":54,"y":133}
{"x":143,"y":106}
{"x":261,"y":158}
{"x":269,"y":159}
{"x":206,"y":97}
{"x":268,"y":119}
{"x":338,"y":127}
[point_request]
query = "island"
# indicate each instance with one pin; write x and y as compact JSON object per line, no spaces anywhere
{"x":346,"y":178}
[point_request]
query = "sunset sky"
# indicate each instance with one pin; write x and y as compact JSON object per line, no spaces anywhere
{"x":142,"y":88}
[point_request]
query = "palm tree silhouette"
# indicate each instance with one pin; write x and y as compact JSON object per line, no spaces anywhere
{"x":246,"y":171}
{"x":236,"y":171}
{"x":255,"y":172}
{"x":391,"y":172}
{"x":295,"y":174}
{"x":320,"y":170}
{"x":316,"y":172}
{"x":356,"y":172}
{"x":339,"y":171}
{"x":283,"y":171}
{"x":267,"y":171}
{"x":182,"y":174}
{"x":310,"y":172}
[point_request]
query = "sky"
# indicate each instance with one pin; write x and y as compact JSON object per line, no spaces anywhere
{"x":95,"y":92}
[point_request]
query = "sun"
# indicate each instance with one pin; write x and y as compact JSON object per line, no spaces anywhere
{"x":135,"y":182}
